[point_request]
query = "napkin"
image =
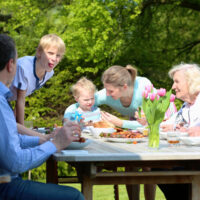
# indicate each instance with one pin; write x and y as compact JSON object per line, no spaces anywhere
{"x":74,"y":152}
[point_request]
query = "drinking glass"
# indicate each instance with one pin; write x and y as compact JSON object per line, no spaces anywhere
{"x":28,"y":124}
{"x":173,"y":138}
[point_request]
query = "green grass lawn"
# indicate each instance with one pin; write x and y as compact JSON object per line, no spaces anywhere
{"x":106,"y":192}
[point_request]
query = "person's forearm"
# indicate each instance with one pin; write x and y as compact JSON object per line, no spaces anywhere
{"x":26,"y":131}
{"x":131,"y":124}
{"x":20,"y":112}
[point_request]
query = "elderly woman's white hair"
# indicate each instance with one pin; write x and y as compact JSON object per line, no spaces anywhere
{"x":192,"y":75}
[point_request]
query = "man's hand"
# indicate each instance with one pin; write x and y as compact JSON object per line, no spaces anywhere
{"x":111,"y":118}
{"x":66,"y":135}
{"x":46,"y":137}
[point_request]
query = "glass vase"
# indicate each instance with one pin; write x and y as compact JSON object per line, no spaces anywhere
{"x":153,"y":136}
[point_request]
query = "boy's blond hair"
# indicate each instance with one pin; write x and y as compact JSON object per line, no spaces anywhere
{"x":82,"y":84}
{"x":51,"y":40}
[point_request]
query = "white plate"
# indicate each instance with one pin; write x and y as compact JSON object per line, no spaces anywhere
{"x":163,"y":135}
{"x":79,"y":145}
{"x":141,"y":129}
{"x":190,"y":140}
{"x":125,"y":140}
{"x":86,"y":130}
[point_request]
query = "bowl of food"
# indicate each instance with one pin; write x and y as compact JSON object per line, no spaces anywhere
{"x":97,"y":131}
{"x":144,"y":130}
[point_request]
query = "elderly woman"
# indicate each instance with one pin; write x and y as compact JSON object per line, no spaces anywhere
{"x":186,"y":85}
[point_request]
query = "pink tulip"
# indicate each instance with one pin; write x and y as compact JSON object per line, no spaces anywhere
{"x":145,"y":94}
{"x":148,"y":88}
{"x":172,"y":98}
{"x":152,"y":96}
{"x":161,"y":92}
{"x":158,"y":97}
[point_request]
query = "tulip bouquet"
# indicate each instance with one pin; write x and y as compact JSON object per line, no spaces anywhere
{"x":154,"y":106}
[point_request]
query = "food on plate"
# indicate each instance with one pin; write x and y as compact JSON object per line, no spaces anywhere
{"x":103,"y":124}
{"x":121,"y":133}
{"x":89,"y":123}
{"x":81,"y":140}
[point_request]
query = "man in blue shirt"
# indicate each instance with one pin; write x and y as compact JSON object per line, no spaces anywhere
{"x":19,"y":153}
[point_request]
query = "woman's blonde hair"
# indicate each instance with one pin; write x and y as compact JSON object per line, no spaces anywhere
{"x":50,"y":40}
{"x":118,"y":76}
{"x":192,"y":76}
{"x":83,"y":84}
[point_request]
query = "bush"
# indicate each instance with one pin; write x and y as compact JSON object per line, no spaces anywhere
{"x":39,"y":173}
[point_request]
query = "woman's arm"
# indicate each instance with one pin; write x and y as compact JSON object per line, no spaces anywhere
{"x":111,"y":118}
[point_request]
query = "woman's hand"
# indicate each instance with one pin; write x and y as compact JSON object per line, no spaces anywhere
{"x":111,"y":118}
{"x":181,"y":128}
{"x":141,"y":120}
{"x":167,"y":127}
{"x":194,"y":131}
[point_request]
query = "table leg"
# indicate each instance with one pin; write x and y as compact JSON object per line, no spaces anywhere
{"x":87,"y":187}
{"x":196,"y":188}
{"x":51,"y":171}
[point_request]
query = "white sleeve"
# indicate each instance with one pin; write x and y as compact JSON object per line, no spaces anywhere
{"x":171,"y":120}
{"x":20,"y":80}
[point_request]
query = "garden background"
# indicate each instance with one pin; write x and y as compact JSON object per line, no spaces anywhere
{"x":152,"y":35}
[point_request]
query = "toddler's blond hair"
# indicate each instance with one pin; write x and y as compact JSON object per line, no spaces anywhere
{"x":82,"y":84}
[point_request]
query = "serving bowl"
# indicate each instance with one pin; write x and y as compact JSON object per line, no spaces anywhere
{"x":97,"y":131}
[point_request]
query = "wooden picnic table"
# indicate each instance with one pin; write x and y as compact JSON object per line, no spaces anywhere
{"x":100,"y":154}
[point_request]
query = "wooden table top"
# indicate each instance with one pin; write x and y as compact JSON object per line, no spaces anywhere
{"x":98,"y":151}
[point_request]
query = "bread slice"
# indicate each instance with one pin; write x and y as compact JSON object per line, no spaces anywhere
{"x":103,"y":124}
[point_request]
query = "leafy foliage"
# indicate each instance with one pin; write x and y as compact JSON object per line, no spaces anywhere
{"x":151,"y":34}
